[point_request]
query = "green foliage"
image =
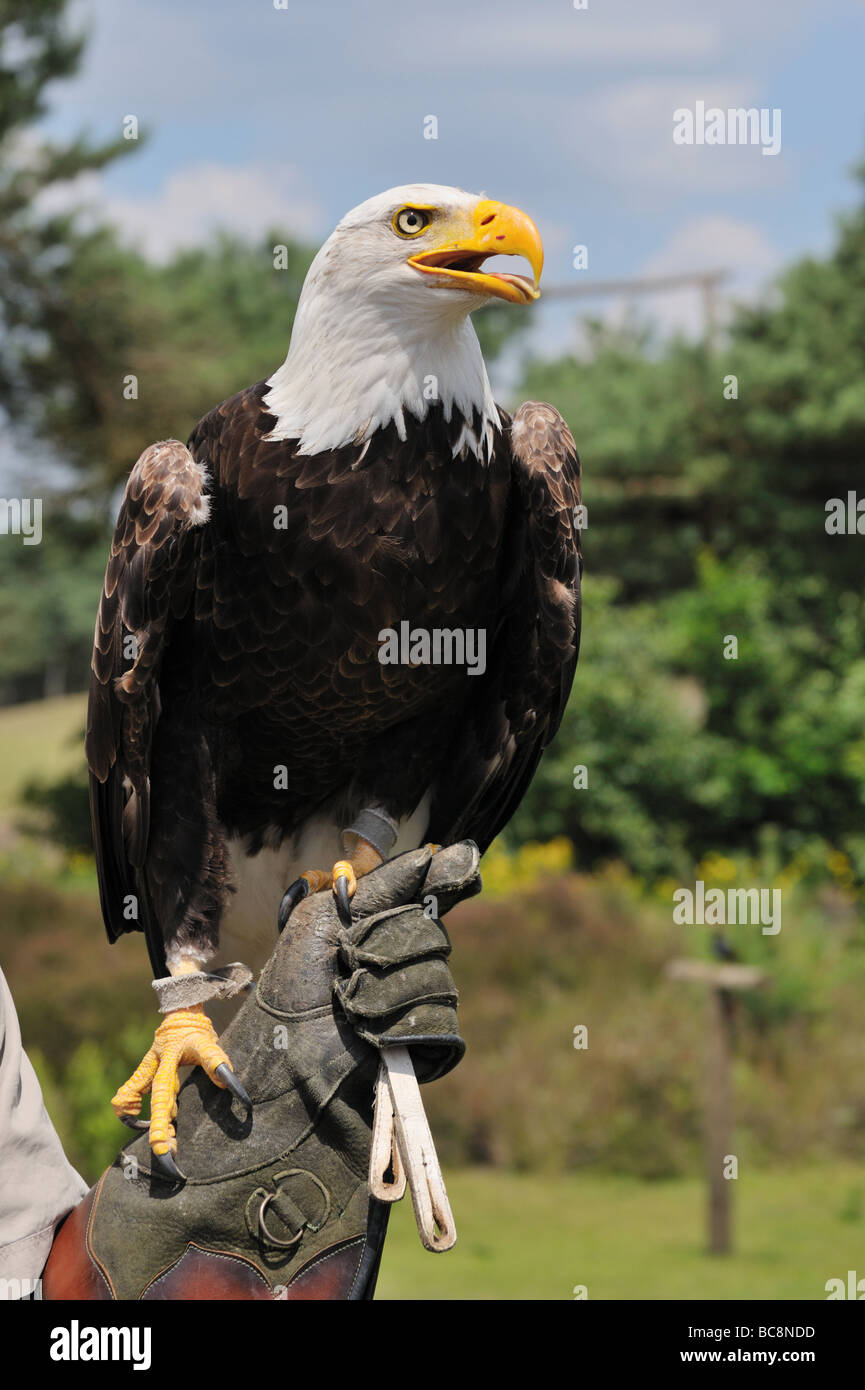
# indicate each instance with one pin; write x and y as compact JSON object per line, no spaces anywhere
{"x":647,"y":425}
{"x":673,"y":467}
{"x":687,"y":752}
{"x":77,"y":1092}
{"x":498,"y":324}
{"x":635,"y":729}
{"x":781,"y":760}
{"x":189,"y":333}
{"x":63,"y":811}
{"x":709,"y":514}
{"x":48,"y":598}
{"x":36,"y":48}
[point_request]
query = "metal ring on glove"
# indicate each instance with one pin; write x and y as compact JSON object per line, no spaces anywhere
{"x":273,"y":1240}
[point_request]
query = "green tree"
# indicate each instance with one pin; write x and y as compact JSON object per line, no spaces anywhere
{"x":706,"y":477}
{"x":158,"y":346}
{"x":739,"y":449}
{"x":36,"y":48}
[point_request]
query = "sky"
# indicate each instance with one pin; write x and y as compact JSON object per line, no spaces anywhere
{"x":287,"y":111}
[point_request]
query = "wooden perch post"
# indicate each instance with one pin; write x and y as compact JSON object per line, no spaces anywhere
{"x":721,"y":979}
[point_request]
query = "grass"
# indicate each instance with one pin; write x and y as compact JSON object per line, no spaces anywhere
{"x":527,"y":1236}
{"x":40,"y":740}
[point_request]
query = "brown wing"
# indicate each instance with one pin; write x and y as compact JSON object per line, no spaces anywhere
{"x":148,"y":583}
{"x":532,"y":656}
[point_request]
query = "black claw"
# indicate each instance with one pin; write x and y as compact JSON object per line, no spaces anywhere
{"x":164,"y":1164}
{"x":293,"y":895}
{"x":343,"y":900}
{"x":133,"y":1122}
{"x":231,"y":1082}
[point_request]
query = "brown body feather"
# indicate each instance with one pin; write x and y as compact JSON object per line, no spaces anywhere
{"x":254,"y":583}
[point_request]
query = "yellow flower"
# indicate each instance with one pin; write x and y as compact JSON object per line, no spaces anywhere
{"x":717,"y":866}
{"x":504,"y":873}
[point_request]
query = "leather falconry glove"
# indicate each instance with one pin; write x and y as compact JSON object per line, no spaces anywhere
{"x":275,"y":1201}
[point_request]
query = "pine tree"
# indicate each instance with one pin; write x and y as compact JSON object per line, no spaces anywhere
{"x":42,"y":348}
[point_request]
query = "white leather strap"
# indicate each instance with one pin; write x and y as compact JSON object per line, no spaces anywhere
{"x":384,"y":1154}
{"x":402,"y":1139}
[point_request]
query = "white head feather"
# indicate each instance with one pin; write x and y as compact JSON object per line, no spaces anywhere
{"x":372,"y":342}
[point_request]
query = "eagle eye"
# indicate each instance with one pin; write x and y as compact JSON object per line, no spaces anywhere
{"x":411,"y":221}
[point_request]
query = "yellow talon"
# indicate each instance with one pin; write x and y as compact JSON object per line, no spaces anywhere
{"x":186,"y":1037}
{"x":363,"y":857}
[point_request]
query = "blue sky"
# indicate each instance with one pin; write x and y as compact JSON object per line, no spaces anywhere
{"x":256,"y":114}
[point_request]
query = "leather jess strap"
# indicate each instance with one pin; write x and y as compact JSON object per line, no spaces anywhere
{"x":402,"y":1142}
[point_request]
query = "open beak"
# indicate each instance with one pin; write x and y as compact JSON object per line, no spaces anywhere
{"x":495,"y":230}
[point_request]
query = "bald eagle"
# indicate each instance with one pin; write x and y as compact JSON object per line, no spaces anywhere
{"x":248,"y":739}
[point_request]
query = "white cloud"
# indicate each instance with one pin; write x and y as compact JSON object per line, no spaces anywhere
{"x":716,"y":242}
{"x":196,"y":201}
{"x":625,"y":131}
{"x":610,"y":34}
{"x":570,"y":38}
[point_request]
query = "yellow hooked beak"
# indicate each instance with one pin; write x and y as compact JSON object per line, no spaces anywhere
{"x":493,"y":229}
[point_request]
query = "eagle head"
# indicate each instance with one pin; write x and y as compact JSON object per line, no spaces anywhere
{"x":382,"y":327}
{"x":428,"y":237}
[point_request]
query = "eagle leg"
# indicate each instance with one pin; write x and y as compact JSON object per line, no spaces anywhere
{"x":342,"y":879}
{"x":186,"y":1037}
